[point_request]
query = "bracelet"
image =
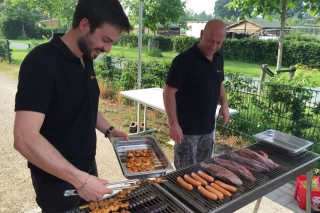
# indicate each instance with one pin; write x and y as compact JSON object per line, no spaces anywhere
{"x":81,"y":187}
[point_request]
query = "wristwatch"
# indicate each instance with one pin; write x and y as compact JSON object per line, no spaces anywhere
{"x":108,"y":131}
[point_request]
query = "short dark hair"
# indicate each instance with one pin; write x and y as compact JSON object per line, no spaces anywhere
{"x":99,"y":12}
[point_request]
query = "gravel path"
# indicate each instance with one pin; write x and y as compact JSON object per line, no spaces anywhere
{"x":16,"y":191}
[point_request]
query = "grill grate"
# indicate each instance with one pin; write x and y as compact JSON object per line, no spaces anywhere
{"x":147,"y":199}
{"x":286,"y":164}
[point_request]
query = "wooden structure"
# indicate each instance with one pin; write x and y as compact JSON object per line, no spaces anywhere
{"x":256,"y":27}
{"x":48,"y":23}
{"x":173,"y":31}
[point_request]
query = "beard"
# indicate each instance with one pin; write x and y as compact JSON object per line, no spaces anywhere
{"x":85,"y":45}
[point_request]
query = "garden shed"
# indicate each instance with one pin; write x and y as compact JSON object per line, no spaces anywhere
{"x":256,"y":27}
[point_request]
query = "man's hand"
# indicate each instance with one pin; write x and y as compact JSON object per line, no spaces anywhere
{"x":224,"y":112}
{"x":94,"y":190}
{"x":118,"y":133}
{"x":175,"y":133}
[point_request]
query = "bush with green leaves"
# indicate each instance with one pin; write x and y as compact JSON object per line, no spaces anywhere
{"x":285,"y":105}
{"x":182,"y":43}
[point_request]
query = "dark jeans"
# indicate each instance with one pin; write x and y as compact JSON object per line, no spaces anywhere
{"x":192,"y":150}
{"x":50,"y":195}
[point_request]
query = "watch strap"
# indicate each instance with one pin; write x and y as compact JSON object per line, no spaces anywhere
{"x":108,"y":131}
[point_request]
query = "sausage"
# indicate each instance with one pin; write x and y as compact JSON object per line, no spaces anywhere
{"x":226,"y":186}
{"x":198,"y":178}
{"x":205,"y":176}
{"x":214,"y":191}
{"x":220,"y":189}
{"x":191,"y":180}
{"x":206,"y":193}
{"x":263,"y":153}
{"x":185,"y":185}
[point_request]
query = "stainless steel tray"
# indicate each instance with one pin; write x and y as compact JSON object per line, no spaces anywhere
{"x":281,"y":142}
{"x":161,"y":163}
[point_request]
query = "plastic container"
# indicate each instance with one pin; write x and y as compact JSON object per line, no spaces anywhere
{"x":300,"y":193}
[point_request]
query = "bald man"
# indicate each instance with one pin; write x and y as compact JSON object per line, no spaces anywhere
{"x":194,"y":87}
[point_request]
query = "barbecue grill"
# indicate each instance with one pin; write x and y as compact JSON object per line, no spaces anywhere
{"x":171,"y":197}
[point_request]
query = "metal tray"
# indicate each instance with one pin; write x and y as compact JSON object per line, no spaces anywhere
{"x":161,"y":163}
{"x":281,"y":142}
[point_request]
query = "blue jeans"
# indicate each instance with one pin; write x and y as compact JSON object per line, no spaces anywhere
{"x":193,"y":149}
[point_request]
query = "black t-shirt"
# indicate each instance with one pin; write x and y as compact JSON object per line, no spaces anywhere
{"x":53,"y":81}
{"x":198,"y":82}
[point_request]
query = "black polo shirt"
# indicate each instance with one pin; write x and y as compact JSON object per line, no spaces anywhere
{"x":53,"y":81}
{"x":198,"y":82}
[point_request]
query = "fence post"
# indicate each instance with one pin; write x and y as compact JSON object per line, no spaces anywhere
{"x":264,"y":68}
{"x":8,"y":50}
{"x":263,"y":72}
{"x":292,"y":72}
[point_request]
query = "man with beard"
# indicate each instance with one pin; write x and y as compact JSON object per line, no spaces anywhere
{"x":193,"y":88}
{"x":57,"y":107}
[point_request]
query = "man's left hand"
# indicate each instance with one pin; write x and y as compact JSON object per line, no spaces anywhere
{"x":118,"y":133}
{"x":224,"y":112}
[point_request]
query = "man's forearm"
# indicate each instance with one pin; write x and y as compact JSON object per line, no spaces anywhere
{"x":102,"y":124}
{"x":223,"y":97}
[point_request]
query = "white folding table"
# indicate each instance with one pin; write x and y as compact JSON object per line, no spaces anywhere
{"x":152,"y":97}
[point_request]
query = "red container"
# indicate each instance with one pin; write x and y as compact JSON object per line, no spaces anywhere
{"x":300,"y":193}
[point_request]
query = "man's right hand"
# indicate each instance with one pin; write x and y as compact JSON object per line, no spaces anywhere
{"x":175,"y":133}
{"x":94,"y":190}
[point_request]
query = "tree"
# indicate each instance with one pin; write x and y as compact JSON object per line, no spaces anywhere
{"x":266,"y":8}
{"x":66,"y":11}
{"x":222,"y":11}
{"x":155,"y":12}
{"x":48,"y":8}
{"x":203,"y":16}
{"x":19,"y":12}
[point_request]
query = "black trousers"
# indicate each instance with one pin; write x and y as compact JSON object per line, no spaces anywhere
{"x":50,"y":195}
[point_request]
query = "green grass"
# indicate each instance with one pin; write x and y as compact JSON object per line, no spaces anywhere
{"x":17,"y":56}
{"x":28,"y":41}
{"x":246,"y":69}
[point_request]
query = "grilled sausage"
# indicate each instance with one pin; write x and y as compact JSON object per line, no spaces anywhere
{"x":205,"y":176}
{"x":226,"y":186}
{"x":191,"y":180}
{"x":220,"y":189}
{"x":263,"y":153}
{"x":206,"y":193}
{"x":198,"y":178}
{"x":214,"y":191}
{"x":184,"y":184}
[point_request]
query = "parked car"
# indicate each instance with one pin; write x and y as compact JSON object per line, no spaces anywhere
{"x":269,"y":36}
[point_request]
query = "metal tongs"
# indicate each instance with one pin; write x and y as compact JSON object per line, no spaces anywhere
{"x":72,"y":192}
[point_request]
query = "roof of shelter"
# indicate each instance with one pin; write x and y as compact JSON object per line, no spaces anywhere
{"x":262,"y":23}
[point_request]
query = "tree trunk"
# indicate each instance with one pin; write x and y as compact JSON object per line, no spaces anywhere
{"x":281,"y":39}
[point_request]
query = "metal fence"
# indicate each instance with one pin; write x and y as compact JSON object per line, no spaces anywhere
{"x":313,"y":32}
{"x":262,"y":106}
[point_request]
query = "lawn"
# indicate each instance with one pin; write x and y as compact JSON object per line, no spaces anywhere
{"x":246,"y":69}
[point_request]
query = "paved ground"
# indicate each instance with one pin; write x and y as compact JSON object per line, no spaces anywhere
{"x":280,"y":200}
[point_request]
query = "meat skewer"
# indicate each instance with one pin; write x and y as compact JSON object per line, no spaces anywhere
{"x":255,"y":156}
{"x":250,"y":164}
{"x":236,"y":168}
{"x":222,"y":173}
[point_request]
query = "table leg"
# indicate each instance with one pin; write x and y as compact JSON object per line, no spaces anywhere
{"x":256,"y":207}
{"x":308,"y":197}
{"x":138,"y":118}
{"x":145,"y":118}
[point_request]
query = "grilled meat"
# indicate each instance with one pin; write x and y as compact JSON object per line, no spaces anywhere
{"x":236,"y":168}
{"x":222,"y":173}
{"x":247,"y":153}
{"x":250,"y":164}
